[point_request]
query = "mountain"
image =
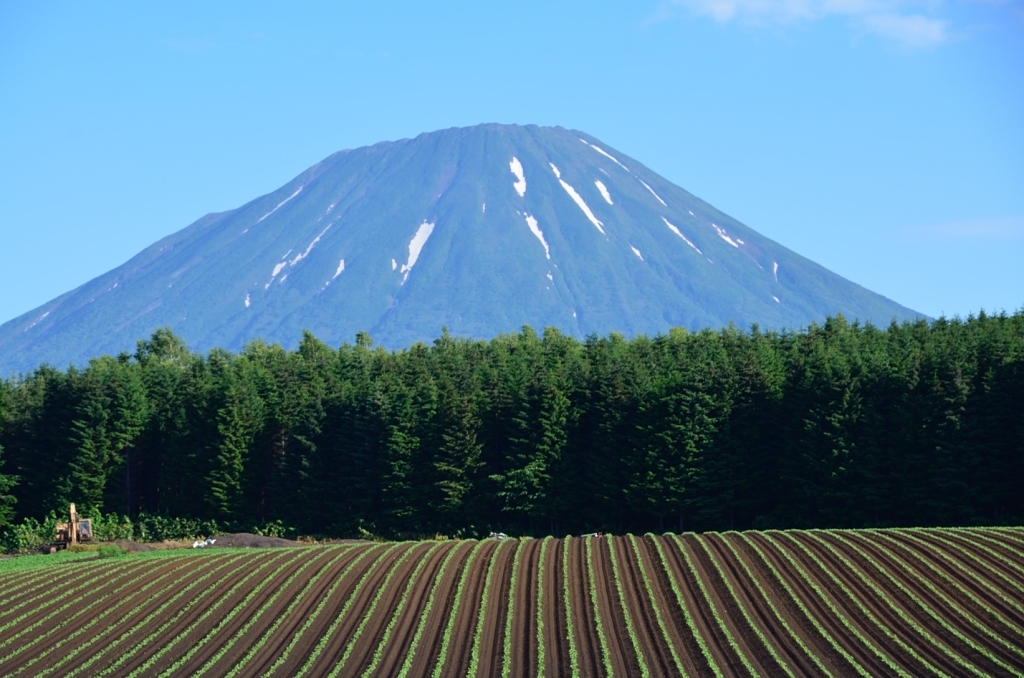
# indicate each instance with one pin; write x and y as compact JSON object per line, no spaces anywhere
{"x":482,"y":229}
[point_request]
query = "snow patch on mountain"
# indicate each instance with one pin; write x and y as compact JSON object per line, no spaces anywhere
{"x":604,"y":191}
{"x":578,"y":200}
{"x":416,"y":246}
{"x":280,"y":204}
{"x":341,"y":267}
{"x":680,"y":234}
{"x":637,"y":253}
{"x":532,"y":223}
{"x":305,"y":254}
{"x":37,"y":321}
{"x":605,"y":154}
{"x":517,"y":169}
{"x":277,"y":269}
{"x":653,"y":193}
{"x":723,"y":235}
{"x":775,"y":270}
{"x":247,"y":300}
{"x":776,"y":299}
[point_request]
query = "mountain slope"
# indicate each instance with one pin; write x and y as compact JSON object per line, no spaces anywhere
{"x":482,"y":229}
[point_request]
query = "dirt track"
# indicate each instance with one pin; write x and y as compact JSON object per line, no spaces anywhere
{"x":886,"y":601}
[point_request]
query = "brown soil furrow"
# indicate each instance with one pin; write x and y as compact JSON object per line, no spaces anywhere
{"x":672,"y":615}
{"x":121,"y":618}
{"x":1009,"y":542}
{"x":492,"y":638}
{"x":861,"y":653}
{"x":701,"y":613}
{"x":881,"y":606}
{"x":524,"y":613}
{"x":429,"y":647}
{"x":588,"y":646}
{"x":321,"y":580}
{"x":556,"y":642}
{"x":746,"y":590}
{"x":996,"y":549}
{"x":370,"y":639}
{"x":904,"y":549}
{"x":32,"y":583}
{"x":466,"y":614}
{"x":750,"y":645}
{"x":974,"y":557}
{"x":653,"y":644}
{"x":972,"y":579}
{"x":800,"y":622}
{"x":928,"y":601}
{"x":335,"y":647}
{"x":261,"y":563}
{"x":400,"y":643}
{"x":623,"y":657}
{"x":305,"y":568}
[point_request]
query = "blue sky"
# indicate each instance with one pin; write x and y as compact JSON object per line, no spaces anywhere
{"x":883,"y":139}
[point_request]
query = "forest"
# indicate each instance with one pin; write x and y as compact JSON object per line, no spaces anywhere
{"x":837,"y":425}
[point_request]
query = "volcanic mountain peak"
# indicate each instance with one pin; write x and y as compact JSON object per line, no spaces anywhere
{"x":482,"y":229}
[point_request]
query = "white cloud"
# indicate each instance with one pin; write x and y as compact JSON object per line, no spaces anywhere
{"x":890,"y":19}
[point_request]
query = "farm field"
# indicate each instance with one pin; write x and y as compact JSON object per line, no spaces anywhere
{"x":908,"y":602}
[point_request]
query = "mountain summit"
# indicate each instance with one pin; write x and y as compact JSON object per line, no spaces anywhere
{"x":482,"y":229}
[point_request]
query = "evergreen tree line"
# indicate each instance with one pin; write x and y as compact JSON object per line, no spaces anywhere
{"x":840,"y":425}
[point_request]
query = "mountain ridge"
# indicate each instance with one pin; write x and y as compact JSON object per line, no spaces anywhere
{"x":543,"y":226}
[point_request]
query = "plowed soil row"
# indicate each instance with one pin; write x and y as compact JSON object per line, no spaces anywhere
{"x":911,"y":601}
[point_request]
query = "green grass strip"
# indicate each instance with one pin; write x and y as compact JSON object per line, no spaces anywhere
{"x":506,"y":655}
{"x":574,"y":658}
{"x":109,"y":646}
{"x":711,"y":605}
{"x":396,"y":616}
{"x":343,"y":614}
{"x":794,"y":636}
{"x":630,"y":628}
{"x":208,"y":638}
{"x":606,"y":655}
{"x":94,"y":619}
{"x":446,"y":638}
{"x":256,"y":646}
{"x":795,"y":599}
{"x":474,"y":657}
{"x":540,"y":607}
{"x":681,"y":601}
{"x":654,"y":605}
{"x":995,"y":614}
{"x":313,"y":616}
{"x":425,"y":614}
{"x":166,"y":647}
{"x":743,"y":610}
{"x":343,"y":662}
{"x":926,"y":608}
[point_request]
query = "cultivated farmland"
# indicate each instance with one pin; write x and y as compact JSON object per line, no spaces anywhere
{"x":909,"y":602}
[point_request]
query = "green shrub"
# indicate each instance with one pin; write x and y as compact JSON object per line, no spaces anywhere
{"x":111,"y":551}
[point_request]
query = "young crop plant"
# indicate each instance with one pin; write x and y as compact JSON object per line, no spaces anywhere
{"x":183,"y":592}
{"x":96,"y":638}
{"x":255,"y":647}
{"x":878,"y":623}
{"x":796,"y":600}
{"x":574,"y":657}
{"x":474,"y":657}
{"x":41,"y":580}
{"x":926,"y":608}
{"x":654,"y":605}
{"x":1007,"y":600}
{"x":222,"y":650}
{"x":743,"y":610}
{"x":955,"y":544}
{"x":343,"y":614}
{"x":714,"y":610}
{"x":606,"y":656}
{"x":506,"y":656}
{"x":446,"y":638}
{"x":949,"y":581}
{"x":167,"y":647}
{"x":315,"y":614}
{"x":630,"y":628}
{"x":978,"y":539}
{"x":781,"y":620}
{"x":410,"y":655}
{"x":395,"y":568}
{"x":540,"y":607}
{"x":681,"y":601}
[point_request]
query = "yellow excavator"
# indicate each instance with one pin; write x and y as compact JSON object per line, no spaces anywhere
{"x":75,"y":531}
